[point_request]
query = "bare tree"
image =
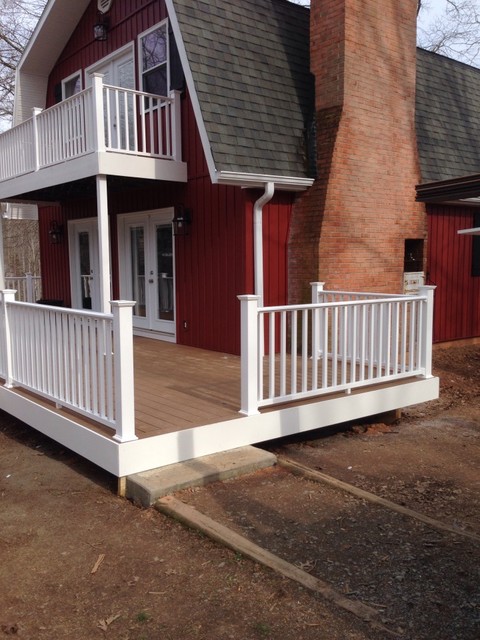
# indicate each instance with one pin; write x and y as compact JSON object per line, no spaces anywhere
{"x":17,"y":20}
{"x":455,"y":33}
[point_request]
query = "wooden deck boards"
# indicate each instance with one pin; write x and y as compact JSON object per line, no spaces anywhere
{"x":179,"y":387}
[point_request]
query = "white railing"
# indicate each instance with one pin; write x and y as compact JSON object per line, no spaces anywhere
{"x":17,"y":151}
{"x":80,"y":360}
{"x":100,"y":118}
{"x":296,"y":352}
{"x":28,"y":287}
{"x":140,"y":123}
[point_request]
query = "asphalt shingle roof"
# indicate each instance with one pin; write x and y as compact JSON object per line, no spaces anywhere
{"x":447,"y":117}
{"x":250,"y":64}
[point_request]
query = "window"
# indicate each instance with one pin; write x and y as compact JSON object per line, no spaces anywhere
{"x":476,"y":246}
{"x":71,"y":85}
{"x":153,"y":56}
{"x":413,"y":256}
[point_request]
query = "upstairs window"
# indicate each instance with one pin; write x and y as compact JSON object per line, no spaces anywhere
{"x":153,"y":56}
{"x":71,"y":85}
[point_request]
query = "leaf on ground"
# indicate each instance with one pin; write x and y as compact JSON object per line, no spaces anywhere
{"x":104,"y":624}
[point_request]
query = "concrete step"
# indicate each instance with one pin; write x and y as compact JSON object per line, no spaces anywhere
{"x":147,"y":487}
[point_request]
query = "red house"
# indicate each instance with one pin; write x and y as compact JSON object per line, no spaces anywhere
{"x":184,"y":155}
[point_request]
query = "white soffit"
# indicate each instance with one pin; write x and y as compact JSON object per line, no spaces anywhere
{"x":53,"y":31}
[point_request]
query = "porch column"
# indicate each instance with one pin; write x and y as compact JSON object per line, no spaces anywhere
{"x":2,"y":260}
{"x":103,"y":244}
{"x":426,"y":330}
{"x":249,"y":355}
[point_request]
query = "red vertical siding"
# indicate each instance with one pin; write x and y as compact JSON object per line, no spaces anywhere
{"x":127,"y":19}
{"x":54,"y":261}
{"x":457,"y":297}
{"x":214,"y":262}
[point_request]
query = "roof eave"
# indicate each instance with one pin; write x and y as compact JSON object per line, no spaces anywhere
{"x":456,"y":190}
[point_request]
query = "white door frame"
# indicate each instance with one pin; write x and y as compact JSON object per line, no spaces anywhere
{"x":149,"y":325}
{"x":75,"y":227}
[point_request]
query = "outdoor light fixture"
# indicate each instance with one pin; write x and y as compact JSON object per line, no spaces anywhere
{"x":55,"y":233}
{"x":181,"y":221}
{"x":100,"y":29}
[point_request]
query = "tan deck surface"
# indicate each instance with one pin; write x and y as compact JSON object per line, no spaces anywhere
{"x":178,"y":387}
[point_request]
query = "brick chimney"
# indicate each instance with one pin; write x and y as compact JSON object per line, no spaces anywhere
{"x":350,"y":228}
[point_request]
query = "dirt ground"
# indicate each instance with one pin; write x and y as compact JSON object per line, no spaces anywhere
{"x":79,"y":563}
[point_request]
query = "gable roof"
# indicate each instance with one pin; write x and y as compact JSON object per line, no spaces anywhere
{"x":250,"y":65}
{"x":447,"y":117}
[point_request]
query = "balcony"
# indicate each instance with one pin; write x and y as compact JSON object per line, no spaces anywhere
{"x":103,"y":130}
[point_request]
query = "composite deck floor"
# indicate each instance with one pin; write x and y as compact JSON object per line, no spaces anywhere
{"x":179,"y":387}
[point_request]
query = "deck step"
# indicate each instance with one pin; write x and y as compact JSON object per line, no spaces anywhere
{"x":147,"y":487}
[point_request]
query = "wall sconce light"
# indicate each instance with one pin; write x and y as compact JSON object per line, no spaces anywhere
{"x":181,"y":221}
{"x":100,"y":29}
{"x":55,"y":233}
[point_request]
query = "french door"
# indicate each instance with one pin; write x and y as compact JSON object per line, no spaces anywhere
{"x":148,"y":270}
{"x":84,"y":272}
{"x":118,"y":71}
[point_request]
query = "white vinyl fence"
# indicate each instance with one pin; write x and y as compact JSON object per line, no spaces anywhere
{"x":80,"y":360}
{"x":295,"y":352}
{"x":28,"y":287}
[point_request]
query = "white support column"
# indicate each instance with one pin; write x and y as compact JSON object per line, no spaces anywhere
{"x":98,"y":114}
{"x":2,"y":259}
{"x":29,"y":287}
{"x":176,"y":124}
{"x":249,"y":354}
{"x":103,"y":244}
{"x":427,"y":330}
{"x":317,"y":320}
{"x":124,"y":375}
{"x":6,"y":296}
{"x":36,"y":149}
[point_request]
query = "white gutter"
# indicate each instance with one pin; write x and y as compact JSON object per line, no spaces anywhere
{"x":254,"y":180}
{"x":258,"y":238}
{"x":470,"y":232}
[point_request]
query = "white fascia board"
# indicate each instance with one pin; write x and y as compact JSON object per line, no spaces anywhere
{"x":253,"y":180}
{"x":53,"y":30}
{"x":469,"y":232}
{"x":207,"y":150}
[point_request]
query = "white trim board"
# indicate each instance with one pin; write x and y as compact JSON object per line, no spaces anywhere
{"x":149,"y":453}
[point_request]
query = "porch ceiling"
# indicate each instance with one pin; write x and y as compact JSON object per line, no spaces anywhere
{"x":84,"y":188}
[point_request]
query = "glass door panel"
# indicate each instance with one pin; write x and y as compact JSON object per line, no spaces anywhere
{"x":86,"y":272}
{"x":137,"y":252}
{"x":165,"y":301}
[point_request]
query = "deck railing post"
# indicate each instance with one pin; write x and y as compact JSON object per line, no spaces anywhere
{"x":249,"y":354}
{"x":427,"y":330}
{"x":36,"y":111}
{"x":29,"y":287}
{"x":98,"y":115}
{"x":6,"y":296}
{"x":123,"y":367}
{"x":176,"y":125}
{"x":317,"y":319}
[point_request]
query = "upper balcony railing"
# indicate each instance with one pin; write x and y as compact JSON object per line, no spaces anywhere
{"x":98,"y":119}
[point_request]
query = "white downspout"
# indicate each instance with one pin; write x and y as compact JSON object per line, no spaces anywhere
{"x":258,"y":238}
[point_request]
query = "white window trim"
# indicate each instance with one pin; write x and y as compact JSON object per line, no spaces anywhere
{"x":77,"y":74}
{"x":140,"y":57}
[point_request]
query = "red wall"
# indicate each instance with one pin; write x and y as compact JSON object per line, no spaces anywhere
{"x":127,"y":18}
{"x":457,"y":297}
